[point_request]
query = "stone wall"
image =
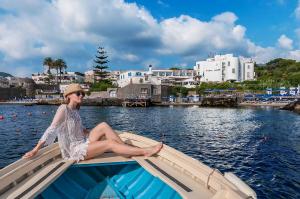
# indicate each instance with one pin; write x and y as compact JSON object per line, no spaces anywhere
{"x":135,"y":91}
{"x":11,"y":93}
{"x":102,"y":102}
{"x":161,"y":93}
{"x":219,"y":101}
{"x":154,"y":92}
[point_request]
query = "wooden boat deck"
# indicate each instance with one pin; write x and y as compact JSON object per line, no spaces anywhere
{"x":106,"y":158}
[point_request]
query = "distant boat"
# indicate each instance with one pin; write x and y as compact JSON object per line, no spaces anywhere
{"x":170,"y":174}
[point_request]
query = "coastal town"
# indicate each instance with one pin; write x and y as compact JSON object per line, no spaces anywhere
{"x":173,"y":86}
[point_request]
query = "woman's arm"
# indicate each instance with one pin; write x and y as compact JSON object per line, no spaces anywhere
{"x":50,"y":134}
{"x":34,"y":150}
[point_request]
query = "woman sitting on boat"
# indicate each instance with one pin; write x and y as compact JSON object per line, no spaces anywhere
{"x":77,"y":143}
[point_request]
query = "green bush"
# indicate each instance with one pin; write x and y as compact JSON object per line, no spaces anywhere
{"x":101,"y":86}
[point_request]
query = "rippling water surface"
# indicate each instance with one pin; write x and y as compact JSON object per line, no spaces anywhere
{"x":261,"y":146}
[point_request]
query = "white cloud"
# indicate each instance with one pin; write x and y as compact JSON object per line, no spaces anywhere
{"x":285,"y":42}
{"x":162,"y":3}
{"x":72,"y":29}
{"x":226,"y":17}
{"x":294,"y":54}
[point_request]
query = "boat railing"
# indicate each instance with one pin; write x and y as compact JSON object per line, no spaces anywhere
{"x":14,"y":174}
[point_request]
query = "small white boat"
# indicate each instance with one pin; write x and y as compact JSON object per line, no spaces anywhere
{"x":169,"y":174}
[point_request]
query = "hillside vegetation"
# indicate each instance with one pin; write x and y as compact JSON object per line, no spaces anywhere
{"x":279,"y":72}
{"x":3,"y":74}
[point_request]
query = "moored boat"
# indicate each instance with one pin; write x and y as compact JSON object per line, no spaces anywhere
{"x":169,"y":174}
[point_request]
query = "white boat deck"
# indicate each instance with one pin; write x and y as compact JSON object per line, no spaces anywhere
{"x":189,"y":177}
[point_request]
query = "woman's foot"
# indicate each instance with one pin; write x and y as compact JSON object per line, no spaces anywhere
{"x":150,"y":151}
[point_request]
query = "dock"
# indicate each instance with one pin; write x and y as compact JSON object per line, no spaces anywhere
{"x":136,"y":103}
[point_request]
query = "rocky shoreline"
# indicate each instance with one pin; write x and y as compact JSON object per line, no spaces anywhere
{"x":294,"y":106}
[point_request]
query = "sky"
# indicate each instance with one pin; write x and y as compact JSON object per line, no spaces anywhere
{"x":136,"y":33}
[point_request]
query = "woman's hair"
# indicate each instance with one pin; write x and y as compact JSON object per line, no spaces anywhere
{"x":67,"y":101}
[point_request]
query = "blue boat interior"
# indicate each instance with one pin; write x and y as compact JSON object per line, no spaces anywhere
{"x":113,"y":180}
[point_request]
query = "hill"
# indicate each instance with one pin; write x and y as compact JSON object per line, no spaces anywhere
{"x":281,"y":71}
{"x":3,"y":74}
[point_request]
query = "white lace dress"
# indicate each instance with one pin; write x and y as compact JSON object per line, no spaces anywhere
{"x":67,"y":126}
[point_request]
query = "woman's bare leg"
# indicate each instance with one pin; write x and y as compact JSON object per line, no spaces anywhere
{"x":99,"y":147}
{"x":103,"y":129}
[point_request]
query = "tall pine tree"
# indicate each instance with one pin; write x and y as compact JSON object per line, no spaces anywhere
{"x":100,"y":65}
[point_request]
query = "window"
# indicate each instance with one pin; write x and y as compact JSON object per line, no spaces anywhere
{"x":248,"y":74}
{"x":161,"y":73}
{"x":138,"y":74}
{"x":129,"y":74}
{"x":229,"y":63}
{"x":233,"y":70}
{"x":144,"y":90}
{"x":248,"y":66}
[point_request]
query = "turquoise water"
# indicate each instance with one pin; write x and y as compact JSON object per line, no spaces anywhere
{"x":261,"y":145}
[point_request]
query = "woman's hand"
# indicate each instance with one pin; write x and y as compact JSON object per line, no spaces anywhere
{"x":31,"y":153}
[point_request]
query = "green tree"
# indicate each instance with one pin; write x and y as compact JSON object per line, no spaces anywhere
{"x":102,"y":85}
{"x":101,"y":64}
{"x":174,"y":68}
{"x":179,"y":89}
{"x":48,"y":61}
{"x":60,"y":64}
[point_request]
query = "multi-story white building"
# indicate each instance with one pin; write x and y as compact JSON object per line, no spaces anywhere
{"x":223,"y":68}
{"x":158,"y":77}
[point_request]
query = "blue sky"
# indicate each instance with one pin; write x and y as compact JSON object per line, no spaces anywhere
{"x":142,"y":32}
{"x":265,"y":20}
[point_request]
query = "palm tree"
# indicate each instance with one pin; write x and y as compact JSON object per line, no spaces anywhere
{"x":55,"y":66}
{"x":48,"y":61}
{"x":60,"y":64}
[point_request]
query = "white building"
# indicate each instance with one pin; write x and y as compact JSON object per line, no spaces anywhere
{"x":65,"y":78}
{"x":132,"y":76}
{"x":223,"y":68}
{"x":158,"y":77}
{"x":89,"y":76}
